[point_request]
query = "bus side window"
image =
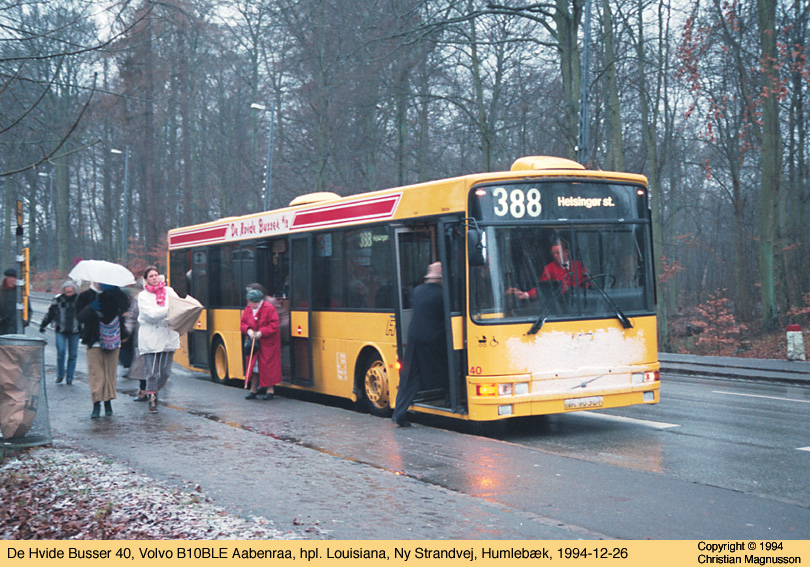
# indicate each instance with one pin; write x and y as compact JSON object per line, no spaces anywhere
{"x":327,"y":280}
{"x":298,"y":271}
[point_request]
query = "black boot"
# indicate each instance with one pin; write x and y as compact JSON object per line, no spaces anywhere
{"x":96,"y":410}
{"x":108,"y":407}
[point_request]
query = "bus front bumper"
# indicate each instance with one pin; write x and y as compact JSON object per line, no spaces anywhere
{"x":501,"y":397}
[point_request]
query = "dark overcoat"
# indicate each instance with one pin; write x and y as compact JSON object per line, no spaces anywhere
{"x":425,"y":363}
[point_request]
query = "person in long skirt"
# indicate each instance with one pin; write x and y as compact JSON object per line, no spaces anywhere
{"x":157,"y":341}
{"x":134,"y":370}
{"x":100,"y":309}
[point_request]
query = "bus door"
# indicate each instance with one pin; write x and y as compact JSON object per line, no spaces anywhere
{"x":273,"y":271}
{"x":300,"y":344}
{"x":416,"y":248}
{"x":197,"y":286}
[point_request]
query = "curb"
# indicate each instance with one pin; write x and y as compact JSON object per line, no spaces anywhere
{"x":793,"y":372}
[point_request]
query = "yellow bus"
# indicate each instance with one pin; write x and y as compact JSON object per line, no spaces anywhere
{"x":521,"y":341}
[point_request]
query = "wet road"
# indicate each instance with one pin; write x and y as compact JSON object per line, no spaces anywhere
{"x":747,"y":436}
{"x":714,"y":460}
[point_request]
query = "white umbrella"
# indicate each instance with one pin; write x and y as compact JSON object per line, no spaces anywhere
{"x":102,"y":272}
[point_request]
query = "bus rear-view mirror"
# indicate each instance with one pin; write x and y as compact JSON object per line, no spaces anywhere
{"x":477,"y":247}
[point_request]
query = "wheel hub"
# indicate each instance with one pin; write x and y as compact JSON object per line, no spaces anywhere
{"x":377,"y":385}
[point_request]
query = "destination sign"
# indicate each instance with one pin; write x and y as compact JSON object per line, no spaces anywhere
{"x":557,"y":200}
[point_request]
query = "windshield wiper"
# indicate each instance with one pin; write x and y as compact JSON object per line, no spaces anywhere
{"x":609,"y":300}
{"x":546,"y":311}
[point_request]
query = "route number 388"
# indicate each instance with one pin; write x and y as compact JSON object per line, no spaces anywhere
{"x":517,"y":203}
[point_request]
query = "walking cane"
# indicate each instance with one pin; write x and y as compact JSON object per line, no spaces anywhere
{"x":249,"y":370}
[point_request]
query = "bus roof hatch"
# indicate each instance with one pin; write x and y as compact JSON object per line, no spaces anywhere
{"x":544,"y":162}
{"x":314,"y":198}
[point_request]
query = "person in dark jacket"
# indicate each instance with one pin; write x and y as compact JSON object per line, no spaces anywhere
{"x":100,"y":309}
{"x":425,"y":363}
{"x":8,"y":303}
{"x":62,"y":312}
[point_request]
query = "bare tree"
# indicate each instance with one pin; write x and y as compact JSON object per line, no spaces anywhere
{"x":771,"y":178}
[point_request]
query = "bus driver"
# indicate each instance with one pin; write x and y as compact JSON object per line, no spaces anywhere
{"x":559,"y":269}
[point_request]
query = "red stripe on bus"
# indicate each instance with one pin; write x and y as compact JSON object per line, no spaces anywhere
{"x":363,"y":210}
{"x":198,"y":236}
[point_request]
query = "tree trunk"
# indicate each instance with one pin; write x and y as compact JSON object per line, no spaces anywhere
{"x":567,"y":18}
{"x":614,"y":158}
{"x":64,"y":240}
{"x":649,"y":129}
{"x":771,"y":167}
{"x":150,"y":221}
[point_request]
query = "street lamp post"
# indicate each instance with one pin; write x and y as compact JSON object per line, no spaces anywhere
{"x":269,"y":169}
{"x":125,"y":227}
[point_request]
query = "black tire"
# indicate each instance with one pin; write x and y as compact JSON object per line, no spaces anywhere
{"x":375,"y":387}
{"x":219,"y":362}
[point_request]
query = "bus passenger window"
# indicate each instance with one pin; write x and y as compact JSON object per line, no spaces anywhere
{"x":327,"y":281}
{"x":298,"y":271}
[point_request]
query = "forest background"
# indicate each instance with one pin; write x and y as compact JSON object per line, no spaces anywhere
{"x":120,"y":119}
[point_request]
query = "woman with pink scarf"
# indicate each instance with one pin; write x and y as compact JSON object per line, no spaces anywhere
{"x":156,"y":340}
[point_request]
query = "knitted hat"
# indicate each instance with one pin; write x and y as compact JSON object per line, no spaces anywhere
{"x":69,"y":283}
{"x":254,"y":295}
{"x":11,"y":272}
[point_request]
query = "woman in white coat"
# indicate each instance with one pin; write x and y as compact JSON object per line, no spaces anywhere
{"x":156,"y":340}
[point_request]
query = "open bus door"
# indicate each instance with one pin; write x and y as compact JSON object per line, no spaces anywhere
{"x":197,"y":286}
{"x":416,"y":248}
{"x":300,"y":344}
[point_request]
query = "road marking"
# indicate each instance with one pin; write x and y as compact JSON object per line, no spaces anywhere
{"x":761,"y":396}
{"x":631,"y":420}
{"x":803,"y":449}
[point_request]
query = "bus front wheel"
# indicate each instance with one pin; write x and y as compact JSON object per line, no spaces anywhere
{"x":219,"y":359}
{"x":375,"y":383}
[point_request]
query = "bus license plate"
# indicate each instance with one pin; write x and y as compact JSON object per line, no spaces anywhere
{"x":584,"y":403}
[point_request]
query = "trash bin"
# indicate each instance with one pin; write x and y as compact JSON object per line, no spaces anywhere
{"x":24,"y":420}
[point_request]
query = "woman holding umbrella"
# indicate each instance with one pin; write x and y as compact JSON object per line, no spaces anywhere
{"x":99,"y":310}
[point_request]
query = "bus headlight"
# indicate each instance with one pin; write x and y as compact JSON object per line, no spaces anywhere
{"x":646,"y":377}
{"x":504,"y":389}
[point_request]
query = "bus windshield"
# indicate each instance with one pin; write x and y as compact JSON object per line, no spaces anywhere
{"x":588,"y":267}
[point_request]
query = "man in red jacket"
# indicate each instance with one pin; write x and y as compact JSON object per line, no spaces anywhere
{"x":561,"y":269}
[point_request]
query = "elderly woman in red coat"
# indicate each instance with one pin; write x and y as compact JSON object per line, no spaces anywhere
{"x":260,"y":323}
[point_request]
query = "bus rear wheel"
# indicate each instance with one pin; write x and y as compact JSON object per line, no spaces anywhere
{"x":375,"y":383}
{"x":219,"y":362}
